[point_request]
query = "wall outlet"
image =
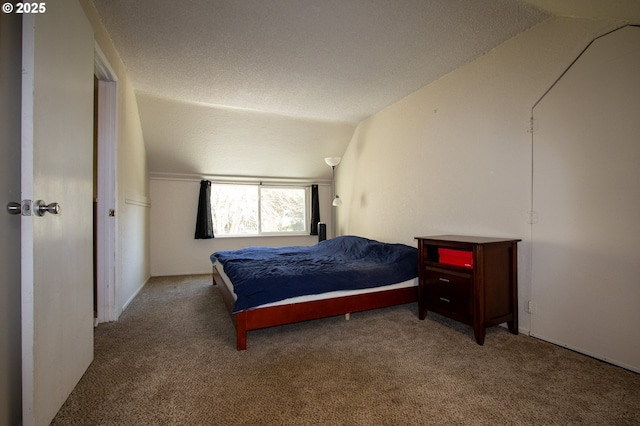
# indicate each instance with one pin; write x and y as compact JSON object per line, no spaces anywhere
{"x":532,"y":308}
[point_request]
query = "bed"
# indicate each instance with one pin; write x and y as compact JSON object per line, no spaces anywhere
{"x":268,"y":286}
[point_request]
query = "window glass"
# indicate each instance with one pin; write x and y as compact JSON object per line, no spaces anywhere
{"x":234,"y":209}
{"x":282,"y":210}
{"x":257,"y":209}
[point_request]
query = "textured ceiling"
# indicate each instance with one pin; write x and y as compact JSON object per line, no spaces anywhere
{"x":339,"y":60}
{"x":626,"y":10}
{"x":270,"y":87}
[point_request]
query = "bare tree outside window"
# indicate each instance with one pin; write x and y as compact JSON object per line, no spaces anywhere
{"x":234,"y":209}
{"x":255,"y":209}
{"x":282,"y":210}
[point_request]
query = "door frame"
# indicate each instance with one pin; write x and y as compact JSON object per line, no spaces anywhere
{"x":107,"y":220}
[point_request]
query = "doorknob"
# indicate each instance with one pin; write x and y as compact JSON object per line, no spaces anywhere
{"x":23,"y":208}
{"x":40,"y":208}
{"x":14,"y":208}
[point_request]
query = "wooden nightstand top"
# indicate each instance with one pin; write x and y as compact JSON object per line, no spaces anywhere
{"x":465,"y":239}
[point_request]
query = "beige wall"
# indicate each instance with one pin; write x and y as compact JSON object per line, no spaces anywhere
{"x":10,"y":113}
{"x":455,"y":156}
{"x":132,"y":209}
{"x":174,"y":251}
{"x":586,"y":242}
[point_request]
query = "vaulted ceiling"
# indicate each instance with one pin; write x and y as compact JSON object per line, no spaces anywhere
{"x":268,"y":88}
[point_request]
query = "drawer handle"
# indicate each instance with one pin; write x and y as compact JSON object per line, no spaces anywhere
{"x":444,"y":279}
{"x":445,"y":300}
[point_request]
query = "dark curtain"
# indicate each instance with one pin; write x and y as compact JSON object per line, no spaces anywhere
{"x":315,"y":210}
{"x":204,"y":222}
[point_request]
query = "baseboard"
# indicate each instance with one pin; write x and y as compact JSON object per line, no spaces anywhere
{"x":599,"y":357}
{"x":135,"y":293}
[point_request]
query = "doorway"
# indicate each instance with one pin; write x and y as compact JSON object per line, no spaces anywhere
{"x":105,"y":187}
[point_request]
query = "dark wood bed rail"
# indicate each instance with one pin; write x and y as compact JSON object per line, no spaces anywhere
{"x":253,"y":319}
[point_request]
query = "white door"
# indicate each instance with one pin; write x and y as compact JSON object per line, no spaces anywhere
{"x":57,"y":167}
{"x":586,"y":244}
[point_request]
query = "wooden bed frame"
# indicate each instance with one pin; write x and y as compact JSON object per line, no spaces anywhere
{"x":256,"y":318}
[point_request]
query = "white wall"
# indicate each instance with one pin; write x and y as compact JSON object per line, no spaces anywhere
{"x":455,"y":156}
{"x":174,"y":251}
{"x":132,"y":208}
{"x":10,"y":321}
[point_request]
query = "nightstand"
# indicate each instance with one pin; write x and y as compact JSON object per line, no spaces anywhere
{"x":473,"y":280}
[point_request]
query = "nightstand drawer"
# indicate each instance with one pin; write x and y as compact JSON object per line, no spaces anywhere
{"x":449,"y":291}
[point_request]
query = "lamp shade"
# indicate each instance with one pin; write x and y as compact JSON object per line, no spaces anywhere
{"x":332,"y":161}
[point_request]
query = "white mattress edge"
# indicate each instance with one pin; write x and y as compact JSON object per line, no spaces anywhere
{"x":323,"y":296}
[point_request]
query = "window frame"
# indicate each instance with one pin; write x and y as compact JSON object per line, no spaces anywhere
{"x":260,"y":186}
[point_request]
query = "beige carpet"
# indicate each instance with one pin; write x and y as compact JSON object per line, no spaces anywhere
{"x":171,"y":360}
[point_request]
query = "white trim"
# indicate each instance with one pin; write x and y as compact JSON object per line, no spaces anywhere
{"x":587,"y":353}
{"x":135,"y":293}
{"x":26,"y":223}
{"x":237,"y":179}
{"x":137,"y":202}
{"x":102,"y":68}
{"x":107,"y":247}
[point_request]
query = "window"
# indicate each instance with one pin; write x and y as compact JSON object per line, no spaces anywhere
{"x":258,"y":209}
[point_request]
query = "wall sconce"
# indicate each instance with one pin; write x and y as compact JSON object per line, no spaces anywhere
{"x":333,"y":162}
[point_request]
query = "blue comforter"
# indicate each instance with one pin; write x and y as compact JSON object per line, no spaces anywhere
{"x":268,"y":274}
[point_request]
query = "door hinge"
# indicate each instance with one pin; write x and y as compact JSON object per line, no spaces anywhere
{"x":532,"y":125}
